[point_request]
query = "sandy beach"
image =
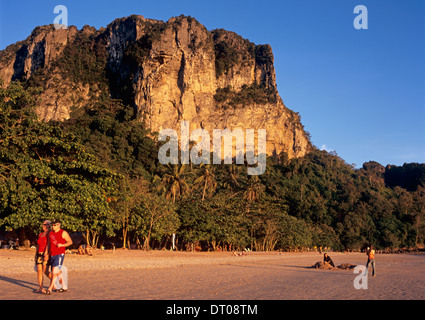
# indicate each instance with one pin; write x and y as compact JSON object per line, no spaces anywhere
{"x":159,"y":275}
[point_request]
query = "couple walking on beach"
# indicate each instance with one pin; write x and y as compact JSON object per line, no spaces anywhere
{"x":50,"y":254}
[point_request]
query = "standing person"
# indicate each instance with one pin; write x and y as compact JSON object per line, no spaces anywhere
{"x":42,"y":256}
{"x":370,"y":260}
{"x":58,"y":240}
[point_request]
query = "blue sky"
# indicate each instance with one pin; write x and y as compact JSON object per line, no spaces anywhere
{"x":360,"y":93}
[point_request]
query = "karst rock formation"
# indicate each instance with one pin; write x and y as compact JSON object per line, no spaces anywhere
{"x":169,"y":71}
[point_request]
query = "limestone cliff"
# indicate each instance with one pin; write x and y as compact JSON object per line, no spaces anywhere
{"x":170,"y":71}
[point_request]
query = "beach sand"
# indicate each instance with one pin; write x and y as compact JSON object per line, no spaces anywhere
{"x":159,"y":275}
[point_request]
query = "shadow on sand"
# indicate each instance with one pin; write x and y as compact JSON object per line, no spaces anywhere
{"x":308,"y":269}
{"x":25,"y":284}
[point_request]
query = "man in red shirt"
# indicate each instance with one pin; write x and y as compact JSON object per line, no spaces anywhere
{"x":58,"y":240}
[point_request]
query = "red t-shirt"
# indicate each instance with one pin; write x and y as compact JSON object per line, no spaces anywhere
{"x":42,"y":242}
{"x":56,"y":238}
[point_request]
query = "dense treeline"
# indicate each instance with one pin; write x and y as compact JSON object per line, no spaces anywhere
{"x":99,"y":174}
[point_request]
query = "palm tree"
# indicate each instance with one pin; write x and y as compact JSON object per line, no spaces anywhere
{"x":254,"y":189}
{"x":206,"y":179}
{"x":232,"y":179}
{"x":173,"y":185}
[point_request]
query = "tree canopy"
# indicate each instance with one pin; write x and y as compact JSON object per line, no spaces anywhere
{"x":100,"y":175}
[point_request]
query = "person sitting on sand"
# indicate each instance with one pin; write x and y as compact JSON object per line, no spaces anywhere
{"x":89,"y":251}
{"x":328,"y":259}
{"x":81,"y":249}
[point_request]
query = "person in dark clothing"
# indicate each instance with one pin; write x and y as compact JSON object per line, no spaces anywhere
{"x":328,"y":259}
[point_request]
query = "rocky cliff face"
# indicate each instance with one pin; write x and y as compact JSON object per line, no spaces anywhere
{"x":170,"y":71}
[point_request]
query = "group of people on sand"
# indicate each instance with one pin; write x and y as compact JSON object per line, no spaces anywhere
{"x":370,"y":252}
{"x":50,"y":254}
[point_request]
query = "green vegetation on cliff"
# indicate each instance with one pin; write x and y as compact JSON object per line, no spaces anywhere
{"x":247,"y":95}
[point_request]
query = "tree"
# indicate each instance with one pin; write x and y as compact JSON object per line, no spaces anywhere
{"x":418,"y":215}
{"x":232,"y":177}
{"x":217,"y":221}
{"x":129,"y":195}
{"x":173,"y":185}
{"x":294,"y":233}
{"x":154,"y":217}
{"x":46,"y":173}
{"x":206,"y":179}
{"x":110,"y":131}
{"x":254,"y":189}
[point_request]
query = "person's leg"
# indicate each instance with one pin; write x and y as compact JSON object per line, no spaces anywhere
{"x":61,"y":274}
{"x":62,"y":279}
{"x":55,"y":263}
{"x":55,"y":272}
{"x":367,"y":267}
{"x":40,"y":277}
{"x":373,"y":268}
{"x":46,"y":270}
